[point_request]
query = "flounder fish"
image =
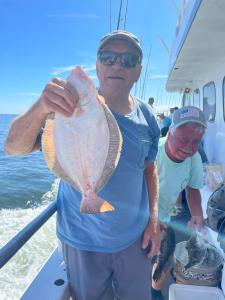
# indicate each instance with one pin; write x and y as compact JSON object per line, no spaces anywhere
{"x":84,"y":149}
{"x":167,"y":247}
{"x":196,"y":250}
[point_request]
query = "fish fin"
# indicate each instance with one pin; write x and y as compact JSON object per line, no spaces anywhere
{"x":154,"y":259}
{"x":94,"y":205}
{"x":106,"y":206}
{"x":162,"y":267}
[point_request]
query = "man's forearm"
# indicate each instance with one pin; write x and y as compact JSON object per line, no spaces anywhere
{"x":24,"y":130}
{"x":194,"y":201}
{"x":152,"y":184}
{"x":152,"y":231}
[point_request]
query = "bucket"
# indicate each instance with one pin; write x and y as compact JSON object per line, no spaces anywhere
{"x":203,"y":274}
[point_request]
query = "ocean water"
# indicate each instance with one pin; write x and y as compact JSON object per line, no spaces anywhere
{"x":26,"y":188}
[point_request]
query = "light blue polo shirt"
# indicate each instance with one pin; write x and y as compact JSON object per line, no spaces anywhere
{"x":174,"y":177}
{"x":166,"y":122}
{"x":126,"y":190}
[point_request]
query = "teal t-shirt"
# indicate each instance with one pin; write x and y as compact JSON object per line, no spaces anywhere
{"x":126,"y":190}
{"x":174,"y":177}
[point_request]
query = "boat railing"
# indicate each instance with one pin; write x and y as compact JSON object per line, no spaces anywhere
{"x":10,"y":249}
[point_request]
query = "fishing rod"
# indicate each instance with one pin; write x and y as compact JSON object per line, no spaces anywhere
{"x":125,"y":18}
{"x":165,"y":46}
{"x":110,"y":15}
{"x":146,"y":70}
{"x":119,"y":16}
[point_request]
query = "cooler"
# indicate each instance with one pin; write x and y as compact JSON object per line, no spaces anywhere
{"x":194,"y":292}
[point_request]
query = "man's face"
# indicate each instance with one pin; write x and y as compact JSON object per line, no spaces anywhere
{"x":161,"y":116}
{"x":116,"y":79}
{"x":183,"y":143}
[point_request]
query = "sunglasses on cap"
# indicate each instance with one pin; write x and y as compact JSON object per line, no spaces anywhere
{"x":127,"y":59}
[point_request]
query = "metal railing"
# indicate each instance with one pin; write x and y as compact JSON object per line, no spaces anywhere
{"x":10,"y":249}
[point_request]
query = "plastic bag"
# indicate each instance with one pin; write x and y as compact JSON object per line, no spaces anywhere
{"x":215,"y":175}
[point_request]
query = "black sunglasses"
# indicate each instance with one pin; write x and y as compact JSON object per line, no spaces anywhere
{"x":127,"y":59}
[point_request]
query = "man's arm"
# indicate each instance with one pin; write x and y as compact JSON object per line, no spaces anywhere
{"x":152,"y":232}
{"x":194,"y":204}
{"x":58,"y":96}
{"x":24,"y":131}
{"x":151,"y":175}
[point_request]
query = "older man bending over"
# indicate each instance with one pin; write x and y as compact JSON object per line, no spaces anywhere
{"x":180,"y":167}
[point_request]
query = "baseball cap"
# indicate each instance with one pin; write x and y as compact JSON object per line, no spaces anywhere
{"x":188,"y":114}
{"x":121,"y":35}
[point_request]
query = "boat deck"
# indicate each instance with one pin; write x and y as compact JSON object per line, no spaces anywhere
{"x":56,"y":285}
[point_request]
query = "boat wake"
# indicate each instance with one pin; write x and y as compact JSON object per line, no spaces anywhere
{"x":23,"y":267}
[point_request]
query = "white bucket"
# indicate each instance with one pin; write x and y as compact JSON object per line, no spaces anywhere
{"x":194,"y":292}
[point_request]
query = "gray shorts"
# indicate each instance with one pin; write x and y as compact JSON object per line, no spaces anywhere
{"x":124,"y":275}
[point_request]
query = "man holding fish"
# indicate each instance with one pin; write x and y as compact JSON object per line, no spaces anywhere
{"x":107,"y":254}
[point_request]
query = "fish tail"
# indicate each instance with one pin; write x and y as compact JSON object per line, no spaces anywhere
{"x":93,"y":204}
{"x":157,"y":273}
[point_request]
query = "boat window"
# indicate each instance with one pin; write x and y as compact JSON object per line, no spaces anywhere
{"x":196,"y":98}
{"x":201,"y":103}
{"x":224,"y":98}
{"x":209,"y":101}
{"x":186,"y":99}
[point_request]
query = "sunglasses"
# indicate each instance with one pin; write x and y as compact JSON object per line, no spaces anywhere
{"x":127,"y":59}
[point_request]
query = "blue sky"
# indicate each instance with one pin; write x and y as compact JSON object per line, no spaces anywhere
{"x":40,"y":39}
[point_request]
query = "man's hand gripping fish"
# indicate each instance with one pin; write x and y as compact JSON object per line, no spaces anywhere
{"x":84,"y":149}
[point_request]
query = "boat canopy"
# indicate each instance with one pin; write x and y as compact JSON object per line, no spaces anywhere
{"x":199,"y":44}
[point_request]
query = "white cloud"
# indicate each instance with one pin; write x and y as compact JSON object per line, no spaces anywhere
{"x":87,"y":68}
{"x":158,"y":76}
{"x":60,"y":70}
{"x":28,"y":94}
{"x":73,"y":16}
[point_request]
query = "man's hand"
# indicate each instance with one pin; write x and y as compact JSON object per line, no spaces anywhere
{"x":59,"y":97}
{"x":194,"y":203}
{"x":196,"y":222}
{"x":152,"y":237}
